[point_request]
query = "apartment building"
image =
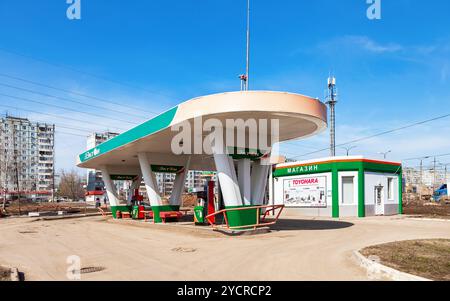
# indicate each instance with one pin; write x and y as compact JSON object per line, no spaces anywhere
{"x":27,"y":158}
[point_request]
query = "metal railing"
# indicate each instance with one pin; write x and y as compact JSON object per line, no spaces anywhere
{"x":260,"y":217}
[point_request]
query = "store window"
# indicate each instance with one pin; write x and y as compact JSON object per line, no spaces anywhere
{"x":348,"y":190}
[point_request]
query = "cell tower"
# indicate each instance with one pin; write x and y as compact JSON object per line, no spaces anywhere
{"x":331,"y":101}
{"x":244,"y":77}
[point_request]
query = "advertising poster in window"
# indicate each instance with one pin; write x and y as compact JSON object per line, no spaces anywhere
{"x":308,"y":192}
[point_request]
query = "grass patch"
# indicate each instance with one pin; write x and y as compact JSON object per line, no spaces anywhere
{"x":426,"y":258}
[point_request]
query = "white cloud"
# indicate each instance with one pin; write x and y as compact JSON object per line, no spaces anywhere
{"x":370,"y":45}
{"x":361,"y":43}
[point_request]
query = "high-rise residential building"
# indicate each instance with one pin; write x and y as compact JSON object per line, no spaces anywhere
{"x":27,"y":158}
{"x":95,"y":186}
{"x":195,"y":181}
{"x":427,"y":177}
{"x":95,"y":139}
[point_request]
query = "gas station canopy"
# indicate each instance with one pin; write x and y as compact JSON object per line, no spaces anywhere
{"x":299,"y":116}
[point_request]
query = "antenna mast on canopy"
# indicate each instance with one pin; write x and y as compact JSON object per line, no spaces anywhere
{"x":332,"y":100}
{"x":245,"y":77}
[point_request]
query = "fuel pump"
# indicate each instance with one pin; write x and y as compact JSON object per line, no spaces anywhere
{"x":205,"y":204}
{"x":137,"y":203}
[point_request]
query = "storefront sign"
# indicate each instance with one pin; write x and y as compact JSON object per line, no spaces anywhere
{"x":307,"y":192}
{"x":300,"y":170}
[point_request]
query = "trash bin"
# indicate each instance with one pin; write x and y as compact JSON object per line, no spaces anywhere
{"x":199,"y":217}
{"x":137,"y":212}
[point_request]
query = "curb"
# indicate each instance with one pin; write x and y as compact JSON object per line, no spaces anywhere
{"x":376,"y":270}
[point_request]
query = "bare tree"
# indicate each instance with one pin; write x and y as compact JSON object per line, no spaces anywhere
{"x":71,"y":185}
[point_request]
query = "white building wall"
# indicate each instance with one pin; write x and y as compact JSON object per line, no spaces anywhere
{"x":390,"y":205}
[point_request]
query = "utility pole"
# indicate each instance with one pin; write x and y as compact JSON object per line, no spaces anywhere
{"x":385,"y":154}
{"x":245,"y":77}
{"x":445,"y":174}
{"x":434,"y":174}
{"x":421,"y":177}
{"x":53,"y":165}
{"x":247,"y":70}
{"x":332,"y":100}
{"x":348,"y":149}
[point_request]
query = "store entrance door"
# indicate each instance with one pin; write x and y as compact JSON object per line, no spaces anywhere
{"x":379,"y":200}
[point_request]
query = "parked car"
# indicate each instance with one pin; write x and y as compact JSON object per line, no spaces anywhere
{"x":441,"y":193}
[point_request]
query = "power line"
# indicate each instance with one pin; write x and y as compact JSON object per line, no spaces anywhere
{"x":56,"y":116}
{"x":64,"y":108}
{"x":69,"y":127}
{"x":69,"y":100}
{"x":379,"y":134}
{"x":428,"y":157}
{"x":71,"y":134}
{"x":83,"y":72}
{"x":75,"y":93}
{"x":301,"y":146}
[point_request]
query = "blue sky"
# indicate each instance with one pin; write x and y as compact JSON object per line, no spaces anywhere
{"x":390,"y":72}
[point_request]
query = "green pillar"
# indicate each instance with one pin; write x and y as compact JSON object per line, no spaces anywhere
{"x":361,"y":192}
{"x":335,"y":191}
{"x":400,"y":193}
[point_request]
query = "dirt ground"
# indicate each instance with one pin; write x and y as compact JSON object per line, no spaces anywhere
{"x":431,"y":210}
{"x":24,"y":207}
{"x":425,"y":258}
{"x":5,"y":274}
{"x":14,"y":208}
{"x":296,"y":249}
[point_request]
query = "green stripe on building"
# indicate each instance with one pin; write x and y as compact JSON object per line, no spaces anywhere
{"x":335,"y":192}
{"x":400,"y":193}
{"x":361,"y":193}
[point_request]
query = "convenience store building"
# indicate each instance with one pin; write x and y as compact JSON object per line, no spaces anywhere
{"x":338,"y":187}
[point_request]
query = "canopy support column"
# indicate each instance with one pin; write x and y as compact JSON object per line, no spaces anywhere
{"x":260,"y":175}
{"x":231,"y":192}
{"x":150,"y":186}
{"x":114,"y":202}
{"x":178,"y":186}
{"x":228,"y":180}
{"x":244,"y":178}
